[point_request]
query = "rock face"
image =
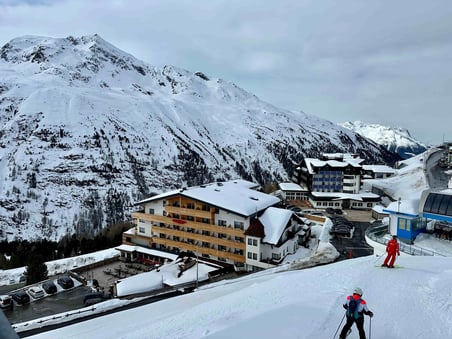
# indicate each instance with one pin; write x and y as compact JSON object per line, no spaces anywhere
{"x":396,"y":140}
{"x":87,"y":130}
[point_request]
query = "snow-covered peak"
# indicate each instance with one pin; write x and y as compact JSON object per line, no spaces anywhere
{"x":395,"y":139}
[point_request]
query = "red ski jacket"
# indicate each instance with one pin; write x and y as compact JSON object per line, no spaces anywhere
{"x":392,"y":247}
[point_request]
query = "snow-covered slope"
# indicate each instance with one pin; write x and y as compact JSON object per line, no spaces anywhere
{"x":410,"y":302}
{"x":86,"y":130}
{"x":397,"y":140}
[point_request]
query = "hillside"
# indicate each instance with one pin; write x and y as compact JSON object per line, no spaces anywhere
{"x":86,"y":130}
{"x":397,"y":140}
{"x":295,"y":304}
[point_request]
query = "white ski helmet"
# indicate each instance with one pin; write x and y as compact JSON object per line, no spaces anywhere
{"x":358,"y":291}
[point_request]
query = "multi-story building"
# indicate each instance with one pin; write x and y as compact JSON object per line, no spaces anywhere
{"x":335,"y":181}
{"x":330,"y":175}
{"x":212,"y":221}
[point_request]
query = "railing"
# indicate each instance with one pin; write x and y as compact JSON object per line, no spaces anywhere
{"x":377,"y":233}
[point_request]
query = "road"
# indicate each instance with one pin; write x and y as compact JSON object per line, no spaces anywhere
{"x":355,"y":246}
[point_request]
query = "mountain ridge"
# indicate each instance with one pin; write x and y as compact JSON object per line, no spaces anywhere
{"x":87,"y":129}
{"x":395,"y":139}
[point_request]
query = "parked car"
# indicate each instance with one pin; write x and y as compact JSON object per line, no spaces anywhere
{"x":5,"y":301}
{"x":20,"y":297}
{"x":95,"y":297}
{"x":49,"y":287}
{"x":36,"y":292}
{"x":65,"y":282}
{"x":330,"y":210}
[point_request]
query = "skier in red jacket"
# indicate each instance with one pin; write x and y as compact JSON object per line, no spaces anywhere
{"x":392,"y":248}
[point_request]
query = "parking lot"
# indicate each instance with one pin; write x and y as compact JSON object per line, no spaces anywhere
{"x":354,"y":246}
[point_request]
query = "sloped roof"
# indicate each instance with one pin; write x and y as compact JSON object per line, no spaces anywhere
{"x":238,"y":196}
{"x":312,"y":162}
{"x":274,"y":221}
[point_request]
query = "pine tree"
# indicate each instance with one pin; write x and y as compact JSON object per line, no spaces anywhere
{"x":36,"y":269}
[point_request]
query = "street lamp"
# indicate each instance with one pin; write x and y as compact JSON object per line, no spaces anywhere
{"x":197,"y":271}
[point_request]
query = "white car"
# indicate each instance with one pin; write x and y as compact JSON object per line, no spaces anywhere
{"x":5,"y":301}
{"x":36,"y":292}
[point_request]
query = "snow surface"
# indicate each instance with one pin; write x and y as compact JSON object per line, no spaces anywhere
{"x":408,"y":182}
{"x":410,"y":302}
{"x":395,"y":139}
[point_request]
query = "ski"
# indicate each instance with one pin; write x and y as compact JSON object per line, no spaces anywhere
{"x":395,"y":266}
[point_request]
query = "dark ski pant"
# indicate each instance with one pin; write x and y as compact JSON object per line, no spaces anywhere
{"x":359,"y":324}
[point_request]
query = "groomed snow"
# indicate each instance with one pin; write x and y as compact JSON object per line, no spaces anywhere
{"x":410,"y":302}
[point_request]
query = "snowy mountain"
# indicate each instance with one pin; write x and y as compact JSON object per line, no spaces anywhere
{"x":397,"y":140}
{"x":86,"y":130}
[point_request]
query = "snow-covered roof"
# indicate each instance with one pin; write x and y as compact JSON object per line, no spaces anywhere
{"x":407,"y":207}
{"x":238,"y":196}
{"x":379,"y":209}
{"x":167,"y":274}
{"x":379,"y":169}
{"x":290,"y":186}
{"x":130,"y":248}
{"x":312,"y":162}
{"x":274,"y":221}
{"x":343,"y":196}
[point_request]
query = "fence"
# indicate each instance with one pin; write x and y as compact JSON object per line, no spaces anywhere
{"x":377,"y":233}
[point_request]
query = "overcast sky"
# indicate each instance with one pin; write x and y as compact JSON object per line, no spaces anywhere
{"x":386,"y":62}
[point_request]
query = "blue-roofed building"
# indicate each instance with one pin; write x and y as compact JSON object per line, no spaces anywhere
{"x":405,"y":221}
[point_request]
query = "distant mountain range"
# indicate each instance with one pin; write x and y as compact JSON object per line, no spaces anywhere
{"x":397,"y":140}
{"x":86,"y":130}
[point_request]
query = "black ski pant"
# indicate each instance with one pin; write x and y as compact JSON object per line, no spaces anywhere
{"x":359,"y":324}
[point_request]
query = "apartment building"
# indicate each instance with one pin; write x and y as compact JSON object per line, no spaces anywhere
{"x":212,"y":221}
{"x":330,"y":175}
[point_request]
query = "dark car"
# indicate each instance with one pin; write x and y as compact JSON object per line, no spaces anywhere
{"x":49,"y":287}
{"x":330,"y":210}
{"x":65,"y":282}
{"x":21,"y":297}
{"x":95,"y":297}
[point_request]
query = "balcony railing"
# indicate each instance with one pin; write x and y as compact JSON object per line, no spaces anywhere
{"x":200,"y":237}
{"x":228,"y":230}
{"x":189,"y":211}
{"x":202,"y":250}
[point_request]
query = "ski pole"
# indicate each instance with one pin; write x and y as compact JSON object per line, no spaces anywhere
{"x":370,"y":328}
{"x":334,"y":336}
{"x":378,"y":258}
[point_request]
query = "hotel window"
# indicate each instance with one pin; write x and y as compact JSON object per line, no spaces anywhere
{"x":254,"y":242}
{"x":151,"y":211}
{"x":191,"y":205}
{"x":222,"y":222}
{"x":250,"y":255}
{"x":250,"y":241}
{"x":254,"y":256}
{"x":238,"y":225}
{"x":141,"y":230}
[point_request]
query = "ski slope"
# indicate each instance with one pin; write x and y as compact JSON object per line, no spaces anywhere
{"x":411,"y":302}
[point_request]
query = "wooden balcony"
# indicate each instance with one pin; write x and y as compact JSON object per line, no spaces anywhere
{"x":199,"y":226}
{"x":200,"y":237}
{"x":201,"y":250}
{"x":197,"y":213}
